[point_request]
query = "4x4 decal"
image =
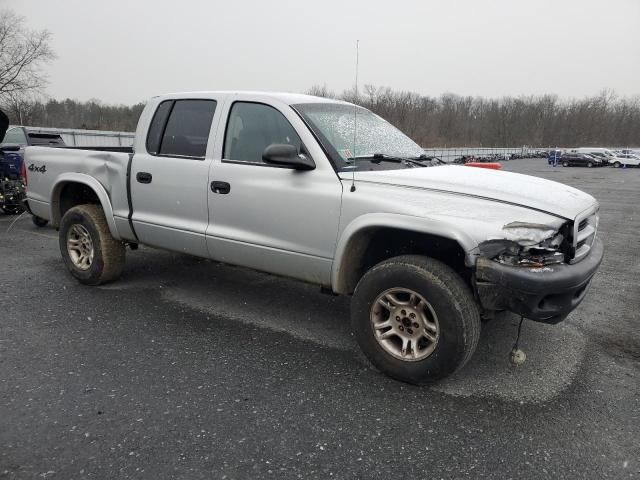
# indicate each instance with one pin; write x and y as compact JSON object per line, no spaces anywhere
{"x":33,"y":168}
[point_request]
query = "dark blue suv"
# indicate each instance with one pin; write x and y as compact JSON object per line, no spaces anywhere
{"x":554,"y":157}
{"x":11,"y":186}
{"x":10,"y":163}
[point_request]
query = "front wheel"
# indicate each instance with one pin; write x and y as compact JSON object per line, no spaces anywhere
{"x":565,"y":164}
{"x":590,"y":165}
{"x":617,"y":164}
{"x":88,"y":250}
{"x":415,"y":319}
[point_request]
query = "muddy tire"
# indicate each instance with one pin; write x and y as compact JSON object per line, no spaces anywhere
{"x":88,"y":250}
{"x":39,"y":222}
{"x":415,"y":319}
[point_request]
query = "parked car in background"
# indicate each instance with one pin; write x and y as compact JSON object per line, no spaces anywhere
{"x":606,"y":154}
{"x":631,"y":152}
{"x":537,"y":154}
{"x":580,"y":160}
{"x":601,"y":156}
{"x":626,"y":160}
{"x":11,"y":180}
{"x":22,"y":137}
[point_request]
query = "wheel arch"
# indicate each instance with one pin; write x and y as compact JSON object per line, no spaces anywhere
{"x":73,"y":189}
{"x":373,"y":238}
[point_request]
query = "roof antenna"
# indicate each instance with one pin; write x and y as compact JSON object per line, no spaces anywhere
{"x":355,"y":125}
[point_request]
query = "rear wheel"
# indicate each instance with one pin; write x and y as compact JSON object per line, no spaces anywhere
{"x":415,"y":319}
{"x":39,"y":222}
{"x":89,"y":251}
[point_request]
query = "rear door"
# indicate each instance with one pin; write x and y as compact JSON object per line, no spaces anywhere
{"x":169,"y":178}
{"x":271,"y":218}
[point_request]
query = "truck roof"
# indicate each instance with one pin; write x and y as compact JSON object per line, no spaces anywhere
{"x":288,"y":98}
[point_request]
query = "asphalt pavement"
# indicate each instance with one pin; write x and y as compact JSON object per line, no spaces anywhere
{"x":186,"y":368}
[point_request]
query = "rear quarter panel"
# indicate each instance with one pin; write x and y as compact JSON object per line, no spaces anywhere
{"x":48,"y":168}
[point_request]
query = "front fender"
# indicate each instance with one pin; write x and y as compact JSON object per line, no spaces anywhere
{"x":90,"y":182}
{"x":363,"y":223}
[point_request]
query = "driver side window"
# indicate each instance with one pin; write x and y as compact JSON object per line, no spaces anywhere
{"x":251,"y":128}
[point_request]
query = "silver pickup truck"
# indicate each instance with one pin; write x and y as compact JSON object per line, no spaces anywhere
{"x":328,"y":193}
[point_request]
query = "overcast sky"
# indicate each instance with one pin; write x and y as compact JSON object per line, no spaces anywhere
{"x":126,"y":51}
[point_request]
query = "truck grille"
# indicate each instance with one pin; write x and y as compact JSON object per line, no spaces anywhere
{"x":585,"y":228}
{"x":583,"y":224}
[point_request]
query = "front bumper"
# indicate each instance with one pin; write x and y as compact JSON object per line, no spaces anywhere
{"x":547,"y":294}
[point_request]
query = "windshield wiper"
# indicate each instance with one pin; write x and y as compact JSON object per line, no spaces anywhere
{"x":427,"y":158}
{"x":383,"y":157}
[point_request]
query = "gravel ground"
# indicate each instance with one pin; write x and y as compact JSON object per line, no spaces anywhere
{"x":190,"y":369}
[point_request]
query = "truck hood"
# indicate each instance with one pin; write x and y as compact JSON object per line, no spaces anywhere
{"x":506,"y":187}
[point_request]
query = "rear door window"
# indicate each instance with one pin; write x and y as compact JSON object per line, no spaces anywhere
{"x":156,"y":129}
{"x":181,"y":128}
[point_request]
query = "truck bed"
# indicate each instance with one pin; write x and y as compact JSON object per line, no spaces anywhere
{"x":102,"y":149}
{"x":49,"y":168}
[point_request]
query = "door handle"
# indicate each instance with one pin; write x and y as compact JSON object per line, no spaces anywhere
{"x":220,"y":187}
{"x":143,"y":177}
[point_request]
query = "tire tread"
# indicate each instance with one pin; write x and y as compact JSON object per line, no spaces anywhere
{"x":447,"y":279}
{"x":113,"y":251}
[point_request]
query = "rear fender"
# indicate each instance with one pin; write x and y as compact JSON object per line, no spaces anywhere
{"x":94,"y":185}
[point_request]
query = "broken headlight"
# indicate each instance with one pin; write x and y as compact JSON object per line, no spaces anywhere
{"x":526,"y":245}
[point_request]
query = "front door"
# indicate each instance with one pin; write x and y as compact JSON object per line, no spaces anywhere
{"x":275,"y":219}
{"x":169,"y":181}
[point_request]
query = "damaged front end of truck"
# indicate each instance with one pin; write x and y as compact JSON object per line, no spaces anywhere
{"x":538,"y":271}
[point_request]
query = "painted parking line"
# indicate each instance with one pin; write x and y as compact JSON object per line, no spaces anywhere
{"x":55,"y":237}
{"x":11,"y":218}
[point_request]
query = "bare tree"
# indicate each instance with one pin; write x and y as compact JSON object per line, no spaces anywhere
{"x":20,"y":106}
{"x":321,"y":91}
{"x":453,"y":120}
{"x":23,"y":54}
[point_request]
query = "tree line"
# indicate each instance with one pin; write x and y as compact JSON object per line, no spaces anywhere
{"x":448,"y":120}
{"x":445,"y":121}
{"x":462,"y":121}
{"x":90,"y":115}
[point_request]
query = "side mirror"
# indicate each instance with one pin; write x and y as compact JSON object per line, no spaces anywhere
{"x":287,"y":156}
